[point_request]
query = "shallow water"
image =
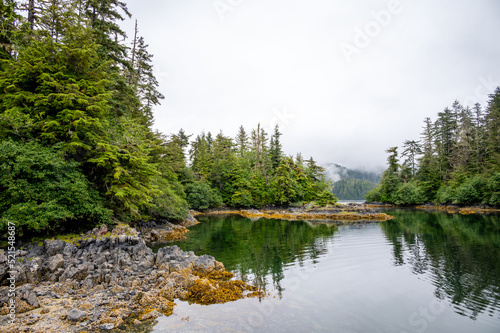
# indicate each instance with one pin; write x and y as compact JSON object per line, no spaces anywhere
{"x":421,"y":272}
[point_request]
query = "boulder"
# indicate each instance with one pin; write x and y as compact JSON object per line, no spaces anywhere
{"x":32,"y":299}
{"x":76,"y":315}
{"x":53,"y":247}
{"x":107,"y":327}
{"x":56,"y":262}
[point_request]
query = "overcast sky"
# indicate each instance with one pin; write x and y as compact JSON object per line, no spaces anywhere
{"x":344,"y":80}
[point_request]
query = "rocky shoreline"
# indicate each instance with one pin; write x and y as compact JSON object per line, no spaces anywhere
{"x":338,"y":213}
{"x":106,"y":280}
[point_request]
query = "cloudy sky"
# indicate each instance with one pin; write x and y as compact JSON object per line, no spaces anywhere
{"x":344,"y":80}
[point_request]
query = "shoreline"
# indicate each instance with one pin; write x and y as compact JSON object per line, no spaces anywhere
{"x":109,"y":280}
{"x":339,"y":213}
{"x":106,"y":280}
{"x":464,"y":210}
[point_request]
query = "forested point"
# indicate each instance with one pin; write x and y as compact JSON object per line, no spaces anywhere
{"x":77,"y":147}
{"x":456,"y":161}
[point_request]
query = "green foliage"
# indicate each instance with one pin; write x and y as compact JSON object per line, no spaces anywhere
{"x":56,"y":92}
{"x":169,"y":204}
{"x":242,"y":199}
{"x":493,"y":185}
{"x":325,"y":198}
{"x":124,"y":170}
{"x":352,"y":189}
{"x":410,"y":194}
{"x":199,"y":195}
{"x":285,"y":184}
{"x":445,"y":195}
{"x":459,"y":163}
{"x":70,"y":85}
{"x":374,"y":195}
{"x":251,"y":173}
{"x":41,"y":191}
{"x":69,"y":89}
{"x":470,"y":192}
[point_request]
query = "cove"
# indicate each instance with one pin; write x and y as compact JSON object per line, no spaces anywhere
{"x":421,"y":272}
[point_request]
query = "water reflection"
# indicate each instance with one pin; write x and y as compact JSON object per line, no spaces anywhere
{"x":260,"y":250}
{"x":458,"y":254}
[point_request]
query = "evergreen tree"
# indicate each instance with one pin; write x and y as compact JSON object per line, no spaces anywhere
{"x":241,"y":142}
{"x":104,"y":17}
{"x":411,"y":149}
{"x":390,"y":182}
{"x":200,"y":156}
{"x":478,"y":139}
{"x":143,"y":80}
{"x":9,"y":19}
{"x":459,"y":163}
{"x":492,"y":120}
{"x":275,"y":150}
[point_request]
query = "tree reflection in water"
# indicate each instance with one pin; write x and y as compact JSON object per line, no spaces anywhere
{"x":259,"y":251}
{"x":458,"y":254}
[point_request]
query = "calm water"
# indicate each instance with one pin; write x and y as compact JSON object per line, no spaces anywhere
{"x":421,"y":272}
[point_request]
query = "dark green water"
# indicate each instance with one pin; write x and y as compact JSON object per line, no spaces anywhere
{"x":421,"y":272}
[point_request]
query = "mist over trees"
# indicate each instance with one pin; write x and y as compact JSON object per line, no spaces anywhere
{"x":350,"y":184}
{"x":456,"y":160}
{"x":76,"y":138}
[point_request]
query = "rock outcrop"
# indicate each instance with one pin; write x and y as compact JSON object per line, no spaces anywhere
{"x":100,"y":282}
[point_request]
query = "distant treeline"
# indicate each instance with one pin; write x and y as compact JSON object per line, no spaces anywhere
{"x":352,"y":189}
{"x":456,"y":160}
{"x":351,"y":184}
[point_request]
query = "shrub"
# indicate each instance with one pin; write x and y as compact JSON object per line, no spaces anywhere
{"x":242,"y":198}
{"x":39,"y":190}
{"x":374,"y":195}
{"x":169,"y":205}
{"x":199,"y":195}
{"x":325,"y":198}
{"x":445,"y":195}
{"x":470,"y":192}
{"x":410,"y":194}
{"x":493,"y":185}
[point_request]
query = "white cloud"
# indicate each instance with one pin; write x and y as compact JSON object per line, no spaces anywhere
{"x":275,"y":54}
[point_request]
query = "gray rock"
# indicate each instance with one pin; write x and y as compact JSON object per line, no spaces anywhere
{"x":3,"y":257}
{"x":76,"y":315}
{"x":56,"y":262}
{"x":69,"y":250}
{"x":53,"y":247}
{"x":205,"y":261}
{"x":107,"y":327}
{"x":81,"y":272}
{"x":32,"y":299}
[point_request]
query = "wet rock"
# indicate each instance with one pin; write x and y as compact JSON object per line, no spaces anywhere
{"x":150,"y":315}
